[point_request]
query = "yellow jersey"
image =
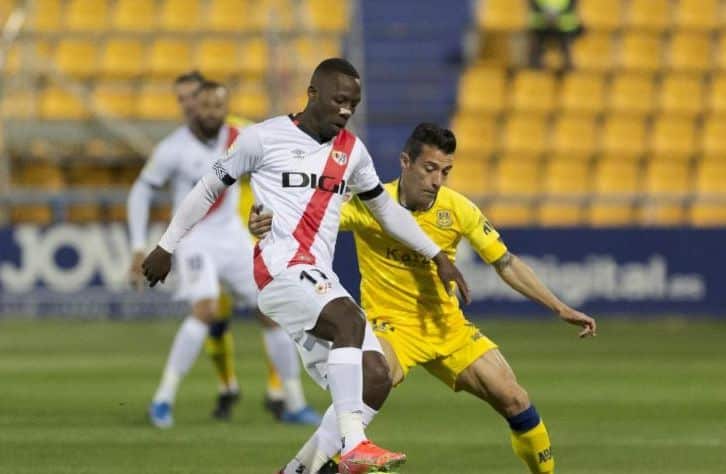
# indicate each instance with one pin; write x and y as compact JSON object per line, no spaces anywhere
{"x":400,"y":283}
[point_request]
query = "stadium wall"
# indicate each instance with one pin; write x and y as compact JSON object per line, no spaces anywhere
{"x":81,"y":271}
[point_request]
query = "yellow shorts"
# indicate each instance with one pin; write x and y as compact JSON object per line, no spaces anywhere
{"x":444,"y":350}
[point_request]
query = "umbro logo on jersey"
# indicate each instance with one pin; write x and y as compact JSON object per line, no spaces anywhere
{"x":298,"y":153}
{"x":296,"y":179}
{"x":339,"y":157}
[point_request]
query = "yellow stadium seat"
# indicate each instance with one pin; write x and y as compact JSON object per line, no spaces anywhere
{"x":219,"y":58}
{"x":582,"y":92}
{"x":160,"y":213}
{"x":609,"y":214}
{"x":711,"y":179}
{"x":516,"y":176}
{"x":697,"y":14}
{"x":469,"y":176}
{"x":134,"y":15}
{"x":667,"y":178}
{"x":77,"y":57}
{"x":156,"y":102}
{"x":533,"y":91}
{"x":122,"y":58}
{"x":255,"y":54}
{"x":673,"y":137}
{"x":690,"y":52}
{"x":169,"y":58}
{"x":6,"y":8}
{"x":559,"y":214}
{"x":593,"y":52}
{"x":28,"y":56}
{"x":84,"y":213}
{"x":44,"y":16}
{"x":509,"y":214}
{"x":616,"y":176}
{"x":309,"y":52}
{"x":116,"y":212}
{"x":640,"y":52}
{"x":270,"y":15}
{"x":707,"y":214}
{"x":648,"y":14}
{"x":682,"y":95}
{"x":230,"y":16}
{"x":179,"y":15}
{"x":495,"y":49}
{"x":39,"y":214}
{"x":43,"y":174}
{"x":20,"y":103}
{"x":524,"y":133}
{"x":716,"y":102}
{"x":574,"y":135}
{"x":58,"y":104}
{"x":654,"y":213}
{"x":632,"y":93}
{"x":328,"y":15}
{"x":482,"y":89}
{"x":713,"y":141}
{"x":602,"y":15}
{"x":114,"y":101}
{"x":502,"y":15}
{"x":87,"y":15}
{"x":566,"y":176}
{"x":251,"y":101}
{"x":623,"y":134}
{"x":89,"y":175}
{"x":475,"y":134}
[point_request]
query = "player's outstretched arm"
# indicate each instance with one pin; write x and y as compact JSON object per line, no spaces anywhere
{"x":522,"y":278}
{"x":137,"y":212}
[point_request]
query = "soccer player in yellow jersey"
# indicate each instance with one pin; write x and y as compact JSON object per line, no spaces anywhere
{"x":417,"y":322}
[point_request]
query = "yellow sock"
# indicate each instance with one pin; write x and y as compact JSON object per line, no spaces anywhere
{"x":274,"y":382}
{"x":221,"y":351}
{"x":533,"y":447}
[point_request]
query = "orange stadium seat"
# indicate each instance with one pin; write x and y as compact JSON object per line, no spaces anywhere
{"x":157,"y":102}
{"x":84,"y":213}
{"x":502,"y":15}
{"x":251,"y":101}
{"x":609,"y":214}
{"x":713,"y":142}
{"x":482,"y":89}
{"x":690,"y":52}
{"x":667,"y":178}
{"x":640,"y":52}
{"x":524,"y":133}
{"x":682,"y":95}
{"x":559,"y":213}
{"x":228,"y":16}
{"x":673,"y":138}
{"x":475,"y":134}
{"x":134,"y":15}
{"x":39,"y":214}
{"x":632,"y":93}
{"x":533,"y":91}
{"x":328,"y":15}
{"x":516,"y":176}
{"x":509,"y":214}
{"x":716,"y":101}
{"x":77,"y":57}
{"x":601,"y":15}
{"x":593,"y":52}
{"x":122,"y":58}
{"x":255,"y":54}
{"x":45,"y":16}
{"x":652,"y":15}
{"x":711,"y":178}
{"x":87,"y":15}
{"x":582,"y":92}
{"x":566,"y":176}
{"x":699,"y":15}
{"x":169,"y":57}
{"x":219,"y":58}
{"x":574,"y":135}
{"x":707,"y":213}
{"x":470,"y":176}
{"x":180,"y":15}
{"x":59,"y":104}
{"x":654,"y":213}
{"x":114,"y":100}
{"x":615,"y":176}
{"x":624,"y":135}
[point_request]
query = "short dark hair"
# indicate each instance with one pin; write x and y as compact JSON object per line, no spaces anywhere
{"x":340,"y":65}
{"x":191,"y":76}
{"x":208,"y":85}
{"x":430,"y":134}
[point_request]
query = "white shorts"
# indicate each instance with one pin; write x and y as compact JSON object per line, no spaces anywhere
{"x":203,"y":259}
{"x":294,"y":299}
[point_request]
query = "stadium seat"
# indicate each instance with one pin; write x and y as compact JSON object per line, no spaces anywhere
{"x":59,"y":104}
{"x":516,"y":176}
{"x":623,"y":134}
{"x":616,"y":176}
{"x":251,"y":101}
{"x":169,"y":58}
{"x":228,"y":16}
{"x":32,"y":56}
{"x":157,"y":102}
{"x":566,"y":176}
{"x":90,"y":175}
{"x":509,"y":214}
{"x":19,"y":103}
{"x":114,"y":100}
{"x":716,"y":101}
{"x":219,"y":58}
{"x":533,"y":91}
{"x":713,"y":142}
{"x":673,"y":138}
{"x":640,"y":52}
{"x":180,"y":15}
{"x":116,"y":212}
{"x":720,"y":62}
{"x":574,"y":135}
{"x":690,"y":52}
{"x":6,"y":8}
{"x":609,"y":214}
{"x":476,"y":135}
{"x":328,"y":15}
{"x":601,"y":15}
{"x":681,"y":95}
{"x":470,"y":176}
{"x":122,"y":58}
{"x":160,"y":213}
{"x":524,"y":133}
{"x":255,"y":54}
{"x":654,"y":15}
{"x":667,"y":178}
{"x":502,"y":15}
{"x":482,"y":89}
{"x":582,"y":92}
{"x":697,"y":15}
{"x":711,"y":179}
{"x":654,"y":213}
{"x":593,"y":52}
{"x":496,"y":49}
{"x":45,"y":16}
{"x":707,"y":213}
{"x":559,"y":214}
{"x":271,"y":15}
{"x":134,"y":15}
{"x":309,"y":52}
{"x":42,"y":174}
{"x":76,"y":57}
{"x":87,"y":15}
{"x":84,"y":213}
{"x":39,"y":214}
{"x":632,"y":93}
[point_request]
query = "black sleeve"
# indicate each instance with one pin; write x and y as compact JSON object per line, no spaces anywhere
{"x":370,"y":194}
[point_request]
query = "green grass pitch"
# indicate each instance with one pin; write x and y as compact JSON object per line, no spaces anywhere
{"x":641,"y":398}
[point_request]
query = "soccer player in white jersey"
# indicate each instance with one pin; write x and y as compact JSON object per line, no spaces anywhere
{"x":300,"y":167}
{"x":218,"y":248}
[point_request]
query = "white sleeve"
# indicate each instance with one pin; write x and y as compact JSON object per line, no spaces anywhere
{"x":160,"y":167}
{"x":192,"y":209}
{"x":242,"y":156}
{"x":364,"y":177}
{"x":137,"y":212}
{"x":400,"y":224}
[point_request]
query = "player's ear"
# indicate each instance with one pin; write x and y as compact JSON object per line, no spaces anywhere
{"x":405,"y":160}
{"x":312,"y":93}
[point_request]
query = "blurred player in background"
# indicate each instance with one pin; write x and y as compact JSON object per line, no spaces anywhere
{"x":219,"y":248}
{"x":417,"y":321}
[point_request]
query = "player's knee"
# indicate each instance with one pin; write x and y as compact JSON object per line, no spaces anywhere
{"x":205,"y":311}
{"x":514,"y":400}
{"x":376,"y":379}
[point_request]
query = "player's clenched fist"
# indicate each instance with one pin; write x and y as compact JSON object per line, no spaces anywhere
{"x":449,"y":273}
{"x":156,"y":266}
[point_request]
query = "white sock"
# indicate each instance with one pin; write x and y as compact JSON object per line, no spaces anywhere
{"x":283,"y":355}
{"x":302,"y":461}
{"x":345,"y":379}
{"x":188,"y":342}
